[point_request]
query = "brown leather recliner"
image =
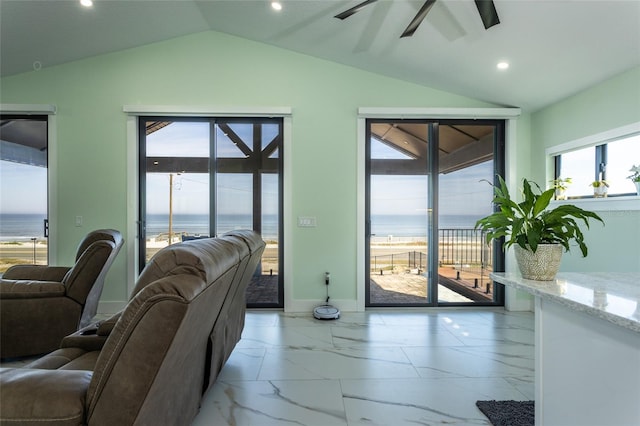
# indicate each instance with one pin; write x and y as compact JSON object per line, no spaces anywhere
{"x":151,"y":363}
{"x":39,"y":305}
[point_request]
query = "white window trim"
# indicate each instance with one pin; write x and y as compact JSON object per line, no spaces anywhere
{"x":135,"y":111}
{"x":52,"y":171}
{"x":619,"y":203}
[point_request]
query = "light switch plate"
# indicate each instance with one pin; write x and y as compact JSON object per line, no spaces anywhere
{"x":306,"y":221}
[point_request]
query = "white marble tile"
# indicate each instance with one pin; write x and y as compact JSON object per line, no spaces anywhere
{"x":336,"y":363}
{"x":243,"y":364}
{"x":475,"y":335}
{"x":261,"y":318}
{"x":286,"y":337}
{"x":525,"y":385}
{"x":393,"y":336}
{"x":480,"y":361}
{"x":414,"y":318}
{"x":346,"y":319}
{"x":295,"y":402}
{"x":380,"y":367}
{"x":422,"y":401}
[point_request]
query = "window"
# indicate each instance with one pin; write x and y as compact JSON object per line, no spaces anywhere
{"x":610,"y":161}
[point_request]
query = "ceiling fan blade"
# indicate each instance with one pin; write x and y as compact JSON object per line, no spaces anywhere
{"x":488,"y":13}
{"x":415,"y":23}
{"x":354,"y":9}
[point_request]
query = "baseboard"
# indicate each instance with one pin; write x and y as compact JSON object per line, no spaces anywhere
{"x":296,"y":306}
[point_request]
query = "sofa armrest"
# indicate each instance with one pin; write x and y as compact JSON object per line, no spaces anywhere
{"x":91,"y":337}
{"x":36,"y":273}
{"x":37,"y":397}
{"x":27,"y":289}
{"x":85,"y":338}
{"x":105,"y":327}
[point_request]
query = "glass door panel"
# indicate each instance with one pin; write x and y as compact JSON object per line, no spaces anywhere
{"x":467,"y":163}
{"x":234,"y":200}
{"x":23,"y":170}
{"x":270,"y":225}
{"x":398,"y":206}
{"x":464,"y":260}
{"x":176,"y":202}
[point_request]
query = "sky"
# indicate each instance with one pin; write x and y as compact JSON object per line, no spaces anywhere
{"x":461,"y":193}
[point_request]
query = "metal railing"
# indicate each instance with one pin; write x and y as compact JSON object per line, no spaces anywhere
{"x":455,"y":247}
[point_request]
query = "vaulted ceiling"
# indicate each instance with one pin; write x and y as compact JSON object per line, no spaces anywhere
{"x":555,"y":47}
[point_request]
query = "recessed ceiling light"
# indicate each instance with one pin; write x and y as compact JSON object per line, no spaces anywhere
{"x":502,"y":65}
{"x":86,"y":3}
{"x":276,"y":5}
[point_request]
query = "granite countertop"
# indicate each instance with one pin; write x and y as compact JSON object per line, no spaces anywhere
{"x":612,"y":296}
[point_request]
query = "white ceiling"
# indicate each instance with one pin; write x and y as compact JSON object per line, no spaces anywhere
{"x":555,"y":47}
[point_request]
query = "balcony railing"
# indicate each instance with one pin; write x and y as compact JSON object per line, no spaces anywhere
{"x":464,"y":260}
{"x":455,"y":247}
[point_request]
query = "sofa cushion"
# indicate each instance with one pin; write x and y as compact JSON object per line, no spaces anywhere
{"x":67,"y":359}
{"x":36,"y":272}
{"x":34,"y":397}
{"x":198,"y":257}
{"x":28,"y":289}
{"x":57,"y":358}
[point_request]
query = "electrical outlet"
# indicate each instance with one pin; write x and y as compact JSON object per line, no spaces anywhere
{"x":78,"y":221}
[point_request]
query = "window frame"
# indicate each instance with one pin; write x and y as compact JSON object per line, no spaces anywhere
{"x":48,"y":110}
{"x":613,"y":202}
{"x":134,"y":111}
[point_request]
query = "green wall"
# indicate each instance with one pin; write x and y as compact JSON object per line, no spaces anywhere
{"x":216,"y":70}
{"x":609,"y":105}
{"x":213,"y":69}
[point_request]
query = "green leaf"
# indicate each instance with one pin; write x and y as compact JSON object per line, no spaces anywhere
{"x":529,"y":223}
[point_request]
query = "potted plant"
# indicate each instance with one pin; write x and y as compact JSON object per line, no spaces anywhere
{"x":561,"y":185}
{"x":600,"y":188}
{"x":635,"y":177}
{"x":537,"y":234}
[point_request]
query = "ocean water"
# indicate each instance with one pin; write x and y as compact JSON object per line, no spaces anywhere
{"x":26,"y":226}
{"x":21,"y":226}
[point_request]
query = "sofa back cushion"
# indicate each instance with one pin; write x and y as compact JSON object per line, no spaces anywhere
{"x":152,"y":366}
{"x":227,"y":329}
{"x":196,"y":257}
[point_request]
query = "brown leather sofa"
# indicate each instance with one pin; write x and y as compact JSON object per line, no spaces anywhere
{"x":39,"y":305}
{"x":151,"y":363}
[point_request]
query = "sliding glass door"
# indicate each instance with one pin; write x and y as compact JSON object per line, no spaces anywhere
{"x":202,"y":177}
{"x":427,"y":183}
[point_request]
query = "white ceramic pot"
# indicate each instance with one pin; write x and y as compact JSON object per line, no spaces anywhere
{"x":600,"y":191}
{"x":542,"y":265}
{"x":637,"y":184}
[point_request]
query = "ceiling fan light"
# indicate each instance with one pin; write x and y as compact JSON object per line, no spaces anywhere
{"x":502,"y":65}
{"x":276,"y":5}
{"x":86,"y":3}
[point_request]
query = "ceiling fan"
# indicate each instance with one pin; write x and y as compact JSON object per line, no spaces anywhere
{"x":486,"y":9}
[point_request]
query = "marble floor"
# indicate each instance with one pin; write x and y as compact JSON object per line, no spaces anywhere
{"x":381,"y":367}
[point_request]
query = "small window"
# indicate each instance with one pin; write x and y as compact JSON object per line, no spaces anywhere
{"x":574,"y":165}
{"x":621,"y":156}
{"x":610,"y":161}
